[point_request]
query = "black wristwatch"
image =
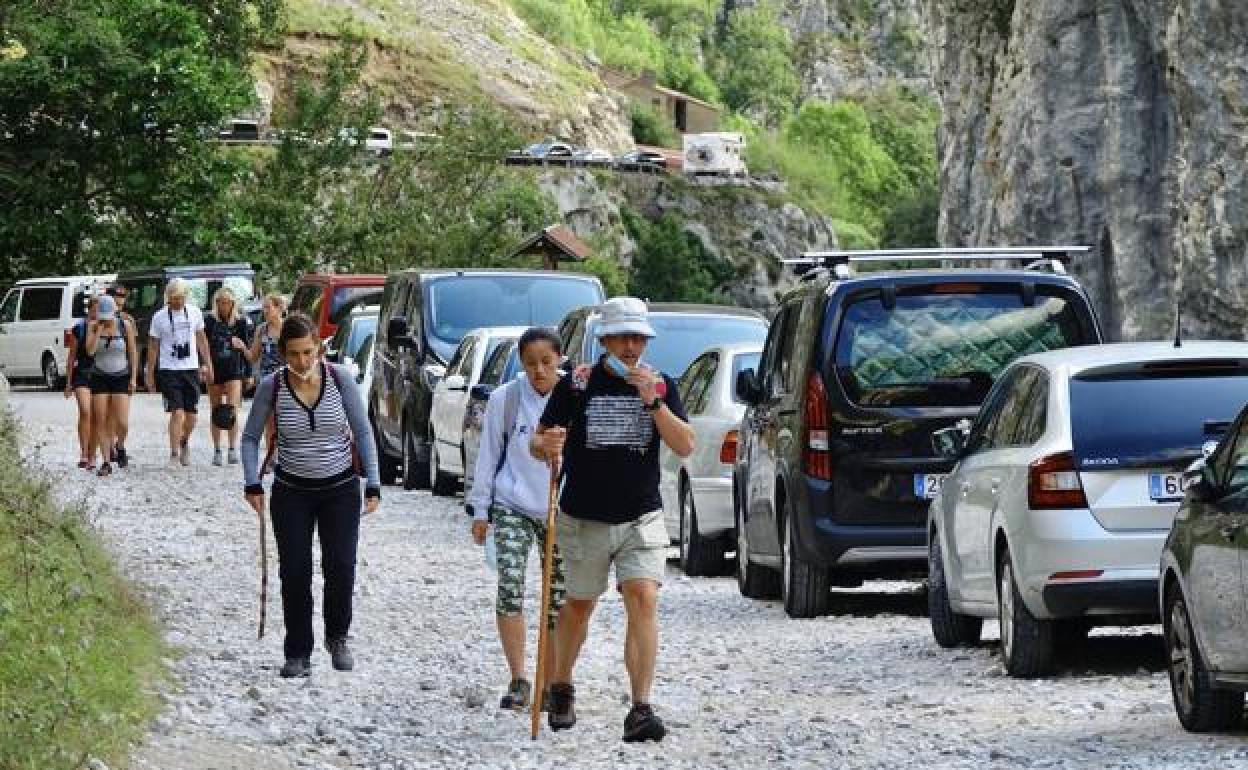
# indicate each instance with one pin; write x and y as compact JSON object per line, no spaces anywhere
{"x":654,"y":405}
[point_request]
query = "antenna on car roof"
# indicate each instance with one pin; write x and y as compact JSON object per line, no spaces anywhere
{"x":1178,"y":324}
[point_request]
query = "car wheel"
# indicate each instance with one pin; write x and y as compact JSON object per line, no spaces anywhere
{"x":441,"y":484}
{"x":389,"y":468}
{"x":1026,"y":642}
{"x":951,"y":629}
{"x":1201,"y":707}
{"x":807,"y":590}
{"x":753,"y":580}
{"x":1070,"y":633}
{"x":415,"y":473}
{"x":699,"y":556}
{"x":51,"y":373}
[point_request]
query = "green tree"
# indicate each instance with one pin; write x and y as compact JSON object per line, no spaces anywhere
{"x":754,"y":66}
{"x":103,"y":105}
{"x":671,"y":264}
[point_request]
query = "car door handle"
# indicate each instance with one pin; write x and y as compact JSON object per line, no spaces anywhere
{"x":965,"y":488}
{"x":996,"y":486}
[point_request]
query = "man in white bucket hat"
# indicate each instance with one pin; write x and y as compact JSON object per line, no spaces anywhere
{"x":605,"y":423}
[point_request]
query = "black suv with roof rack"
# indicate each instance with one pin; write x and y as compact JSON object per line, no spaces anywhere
{"x":836,"y":464}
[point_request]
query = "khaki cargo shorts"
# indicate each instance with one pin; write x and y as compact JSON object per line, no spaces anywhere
{"x":638,"y":550}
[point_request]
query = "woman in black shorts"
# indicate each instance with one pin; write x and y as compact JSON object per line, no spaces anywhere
{"x":78,"y":386}
{"x":114,"y":374}
{"x":228,"y":333}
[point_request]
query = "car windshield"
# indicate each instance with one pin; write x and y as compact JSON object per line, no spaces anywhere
{"x":682,"y":337}
{"x":458,"y":304}
{"x":740,"y":363}
{"x":362,"y":328}
{"x":946,"y":349}
{"x":203,"y":287}
{"x":1143,"y":419}
{"x":344,"y":294}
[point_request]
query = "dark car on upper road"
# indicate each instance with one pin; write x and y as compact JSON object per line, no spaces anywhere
{"x":425,"y":313}
{"x":835,"y":466}
{"x":1204,"y":595}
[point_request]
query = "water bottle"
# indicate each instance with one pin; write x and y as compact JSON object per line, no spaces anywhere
{"x":491,"y":554}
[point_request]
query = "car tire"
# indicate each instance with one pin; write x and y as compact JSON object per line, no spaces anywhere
{"x":52,"y":379}
{"x":1200,"y":705}
{"x":699,"y":556}
{"x":441,"y":484}
{"x":1026,"y":641}
{"x":1070,"y":633}
{"x":951,"y":629}
{"x":754,"y":581}
{"x":415,"y":472}
{"x":807,"y":589}
{"x":389,"y":468}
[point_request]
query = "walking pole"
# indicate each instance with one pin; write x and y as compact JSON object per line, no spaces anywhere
{"x":543,"y":635}
{"x":264,"y":575}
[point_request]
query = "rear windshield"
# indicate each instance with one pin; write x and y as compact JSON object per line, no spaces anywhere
{"x":362,"y":328}
{"x":344,"y":294}
{"x":202,"y":289}
{"x":682,"y":337}
{"x":947,"y":349}
{"x":1142,"y":420}
{"x":458,"y":304}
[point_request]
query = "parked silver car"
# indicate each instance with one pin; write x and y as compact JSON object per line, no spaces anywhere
{"x":697,"y":490}
{"x":1054,"y":517}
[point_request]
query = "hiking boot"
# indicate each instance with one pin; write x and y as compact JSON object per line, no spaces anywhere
{"x":105,"y":470}
{"x":123,"y":460}
{"x":642,"y":724}
{"x":340,"y":654}
{"x":173,"y":459}
{"x":217,"y":460}
{"x":184,"y":456}
{"x":562,"y":699}
{"x":296,"y":667}
{"x":232,"y":457}
{"x":517,"y":697}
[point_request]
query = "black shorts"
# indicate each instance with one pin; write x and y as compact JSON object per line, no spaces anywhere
{"x":82,"y":378}
{"x":225,"y":371}
{"x":109,"y":384}
{"x":179,"y":388}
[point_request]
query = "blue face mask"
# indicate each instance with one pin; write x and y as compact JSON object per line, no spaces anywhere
{"x":617,"y":366}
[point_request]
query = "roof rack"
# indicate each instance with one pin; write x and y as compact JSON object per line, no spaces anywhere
{"x":1053,"y":258}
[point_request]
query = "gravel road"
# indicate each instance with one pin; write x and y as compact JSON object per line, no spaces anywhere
{"x":738,"y":683}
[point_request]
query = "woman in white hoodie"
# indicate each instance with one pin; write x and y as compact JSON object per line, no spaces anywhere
{"x":510,"y":490}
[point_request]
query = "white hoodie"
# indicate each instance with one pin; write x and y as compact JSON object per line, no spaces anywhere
{"x":523,"y":483}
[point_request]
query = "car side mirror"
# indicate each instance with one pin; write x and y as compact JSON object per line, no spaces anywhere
{"x":1199,"y":485}
{"x":481,"y":392}
{"x":747,"y":386}
{"x":952,"y":441}
{"x":456,"y":382}
{"x":397,"y":333}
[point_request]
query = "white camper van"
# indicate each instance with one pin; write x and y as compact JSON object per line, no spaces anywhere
{"x":35,"y":316}
{"x":718,"y":153}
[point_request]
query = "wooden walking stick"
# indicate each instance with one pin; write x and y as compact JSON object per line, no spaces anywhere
{"x":543,"y":634}
{"x":264,"y":575}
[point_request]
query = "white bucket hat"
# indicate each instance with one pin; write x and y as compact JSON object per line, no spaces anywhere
{"x":625,"y":315}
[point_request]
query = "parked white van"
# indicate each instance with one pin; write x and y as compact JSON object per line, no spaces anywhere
{"x":34,"y":317}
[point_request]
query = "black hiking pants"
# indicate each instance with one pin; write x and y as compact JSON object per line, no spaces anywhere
{"x":335,"y":515}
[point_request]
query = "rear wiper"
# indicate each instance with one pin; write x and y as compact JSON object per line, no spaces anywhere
{"x":1217,"y":427}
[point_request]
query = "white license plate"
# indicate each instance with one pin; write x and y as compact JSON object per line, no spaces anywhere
{"x":927,"y":485}
{"x":1166,"y":486}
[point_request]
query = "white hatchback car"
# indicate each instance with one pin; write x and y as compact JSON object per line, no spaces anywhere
{"x":1054,"y":517}
{"x":697,"y":490}
{"x":450,"y":402}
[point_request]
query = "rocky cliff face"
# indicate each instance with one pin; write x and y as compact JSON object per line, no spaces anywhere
{"x":1121,"y":124}
{"x":747,"y":225}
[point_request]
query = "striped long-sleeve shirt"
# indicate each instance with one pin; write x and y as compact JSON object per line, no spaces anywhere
{"x":314,"y":441}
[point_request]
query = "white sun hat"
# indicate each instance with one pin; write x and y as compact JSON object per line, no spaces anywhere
{"x":625,"y":315}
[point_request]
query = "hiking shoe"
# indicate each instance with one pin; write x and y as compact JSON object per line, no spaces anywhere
{"x":517,"y":697}
{"x":340,"y":654}
{"x":173,"y":459}
{"x":562,"y":699}
{"x":184,"y":456}
{"x":105,"y":470}
{"x":123,"y":459}
{"x":232,"y":457}
{"x":216,"y":458}
{"x":296,"y":667}
{"x":642,"y":724}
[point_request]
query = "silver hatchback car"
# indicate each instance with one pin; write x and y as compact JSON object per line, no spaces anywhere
{"x":1065,"y":488}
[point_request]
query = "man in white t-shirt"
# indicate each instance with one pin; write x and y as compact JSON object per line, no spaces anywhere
{"x":177,"y":341}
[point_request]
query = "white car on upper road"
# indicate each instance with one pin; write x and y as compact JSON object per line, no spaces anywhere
{"x":697,"y":490}
{"x":1054,"y":517}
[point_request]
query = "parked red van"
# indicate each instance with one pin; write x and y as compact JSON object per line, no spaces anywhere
{"x":320,"y":296}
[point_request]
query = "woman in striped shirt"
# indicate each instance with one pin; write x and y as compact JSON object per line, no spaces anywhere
{"x":322,"y":438}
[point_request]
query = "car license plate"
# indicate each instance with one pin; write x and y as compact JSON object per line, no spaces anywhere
{"x":1166,"y":487}
{"x":927,"y":485}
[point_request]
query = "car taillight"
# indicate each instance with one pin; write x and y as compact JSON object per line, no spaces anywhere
{"x":816,"y":461}
{"x":728,"y":449}
{"x":1053,"y":483}
{"x":67,"y":337}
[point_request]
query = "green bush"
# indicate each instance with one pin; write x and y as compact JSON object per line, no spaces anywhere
{"x":672,"y":265}
{"x":754,"y":65}
{"x":652,"y":127}
{"x":78,"y":651}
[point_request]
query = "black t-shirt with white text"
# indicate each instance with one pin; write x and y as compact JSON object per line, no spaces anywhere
{"x":611,"y":458}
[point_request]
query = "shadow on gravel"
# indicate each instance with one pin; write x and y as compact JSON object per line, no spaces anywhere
{"x":868,"y":603}
{"x":1112,"y":656}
